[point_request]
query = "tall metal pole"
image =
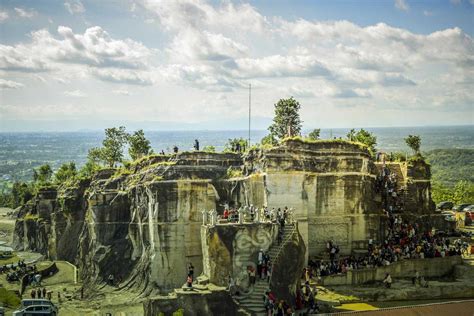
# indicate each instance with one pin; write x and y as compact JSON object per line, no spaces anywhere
{"x":250,"y":109}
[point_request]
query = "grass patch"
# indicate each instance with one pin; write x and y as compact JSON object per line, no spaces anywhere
{"x":307,"y":140}
{"x":9,"y":298}
{"x":13,"y":259}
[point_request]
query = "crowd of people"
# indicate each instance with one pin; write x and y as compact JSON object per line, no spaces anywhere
{"x":16,"y":272}
{"x":255,"y":214}
{"x":41,"y":293}
{"x":403,"y":240}
{"x":305,"y":301}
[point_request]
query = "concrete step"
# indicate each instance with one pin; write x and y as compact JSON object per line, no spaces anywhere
{"x":253,"y":301}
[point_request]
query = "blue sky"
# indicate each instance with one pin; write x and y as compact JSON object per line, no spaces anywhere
{"x":94,"y":64}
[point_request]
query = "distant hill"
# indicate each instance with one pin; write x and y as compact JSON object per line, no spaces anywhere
{"x":451,"y":165}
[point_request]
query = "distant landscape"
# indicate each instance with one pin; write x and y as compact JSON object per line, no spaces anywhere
{"x":450,"y":150}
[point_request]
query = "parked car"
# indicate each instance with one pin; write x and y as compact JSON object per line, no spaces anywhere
{"x":36,"y":307}
{"x":446,"y":205}
{"x":460,"y":207}
{"x":447,"y":213}
{"x":469,"y":208}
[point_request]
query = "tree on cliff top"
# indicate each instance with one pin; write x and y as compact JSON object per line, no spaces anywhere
{"x":139,"y":146}
{"x":364,"y":137}
{"x":287,"y":121}
{"x":67,"y":171}
{"x":43,"y":174}
{"x":115,"y":139}
{"x":112,"y":150}
{"x":414,"y":142}
{"x":315,"y":133}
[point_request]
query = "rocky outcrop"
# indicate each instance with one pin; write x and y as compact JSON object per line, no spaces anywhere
{"x":142,"y":223}
{"x":228,"y":250}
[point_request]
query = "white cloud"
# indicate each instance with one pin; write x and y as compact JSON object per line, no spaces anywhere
{"x":25,"y":13}
{"x":455,"y":2}
{"x":206,"y":46}
{"x":196,"y":14}
{"x":428,"y":13}
{"x":95,"y":51}
{"x":75,"y":94}
{"x":7,"y":84}
{"x":3,"y":16}
{"x":402,"y":5}
{"x":74,"y":6}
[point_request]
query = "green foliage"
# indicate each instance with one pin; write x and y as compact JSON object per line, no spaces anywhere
{"x":414,"y":142}
{"x":66,"y":173}
{"x":287,"y":121}
{"x":397,"y":157}
{"x":20,"y":194}
{"x":139,"y":146}
{"x":449,"y":166}
{"x":43,"y":174}
{"x":364,"y":137}
{"x":315,"y":134}
{"x":9,"y":298}
{"x":209,"y":149}
{"x":462,"y":192}
{"x":112,"y":150}
{"x":88,"y":170}
{"x":236,"y":145}
{"x":269,"y":140}
{"x":234,"y":172}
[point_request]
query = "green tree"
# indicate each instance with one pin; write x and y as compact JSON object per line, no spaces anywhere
{"x":115,"y":139}
{"x":43,"y":174}
{"x":96,"y":155}
{"x":209,"y":149}
{"x":351,"y":135}
{"x":139,"y":146}
{"x":66,"y":172}
{"x":287,"y":121}
{"x":269,"y":140}
{"x":364,"y":137}
{"x":88,"y":169}
{"x":414,"y":142}
{"x":20,"y":194}
{"x":314,"y":134}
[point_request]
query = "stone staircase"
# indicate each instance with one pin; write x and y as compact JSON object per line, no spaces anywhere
{"x":253,"y":301}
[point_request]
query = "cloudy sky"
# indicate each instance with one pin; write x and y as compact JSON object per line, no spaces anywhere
{"x":79,"y":64}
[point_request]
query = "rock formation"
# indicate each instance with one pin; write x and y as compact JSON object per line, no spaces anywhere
{"x":143,"y":223}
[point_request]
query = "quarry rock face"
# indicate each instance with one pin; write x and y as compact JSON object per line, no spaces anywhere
{"x":142,"y":223}
{"x":228,"y":250}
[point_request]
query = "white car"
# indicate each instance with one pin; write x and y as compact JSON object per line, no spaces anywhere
{"x":36,"y":307}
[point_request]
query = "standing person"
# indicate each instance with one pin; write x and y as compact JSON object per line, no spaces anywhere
{"x":33,"y":293}
{"x":191,"y":270}
{"x":269,"y":271}
{"x":49,"y":295}
{"x":189,"y":281}
{"x":44,"y":292}
{"x":175,"y":149}
{"x":38,"y":292}
{"x":196,"y":145}
{"x":252,"y":276}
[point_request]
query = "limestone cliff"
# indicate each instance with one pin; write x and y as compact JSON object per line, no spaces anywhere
{"x":143,"y":223}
